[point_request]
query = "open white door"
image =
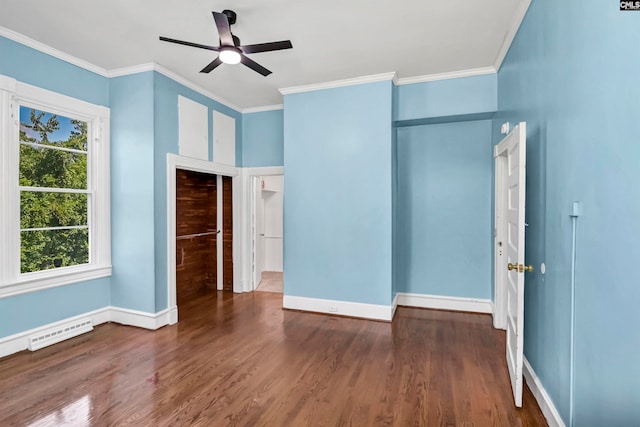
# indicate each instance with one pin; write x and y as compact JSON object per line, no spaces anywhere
{"x":258,"y":232}
{"x":511,"y":164}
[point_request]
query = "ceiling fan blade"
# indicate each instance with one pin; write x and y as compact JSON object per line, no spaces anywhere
{"x":201,"y":46}
{"x":224,"y":30}
{"x":254,"y":65}
{"x":266,"y":47}
{"x":213,"y":64}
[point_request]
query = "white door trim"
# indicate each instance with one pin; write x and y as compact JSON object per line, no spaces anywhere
{"x":220,"y":231}
{"x":174,"y":162}
{"x":254,"y":231}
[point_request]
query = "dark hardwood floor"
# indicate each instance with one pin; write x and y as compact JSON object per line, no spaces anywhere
{"x":241,"y":360}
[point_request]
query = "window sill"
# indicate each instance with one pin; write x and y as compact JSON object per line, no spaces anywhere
{"x":38,"y":282}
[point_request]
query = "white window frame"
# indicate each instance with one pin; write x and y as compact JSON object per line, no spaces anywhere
{"x":13,"y":94}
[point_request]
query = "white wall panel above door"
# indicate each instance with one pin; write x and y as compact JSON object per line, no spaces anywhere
{"x":224,"y":139}
{"x":193,"y":129}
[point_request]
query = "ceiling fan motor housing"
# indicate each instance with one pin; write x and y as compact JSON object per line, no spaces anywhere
{"x":231,"y":16}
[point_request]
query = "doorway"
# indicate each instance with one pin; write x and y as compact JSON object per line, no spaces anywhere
{"x":268,"y":233}
{"x":204,"y":234}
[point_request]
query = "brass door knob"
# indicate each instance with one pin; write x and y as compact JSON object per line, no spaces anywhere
{"x":520,"y":267}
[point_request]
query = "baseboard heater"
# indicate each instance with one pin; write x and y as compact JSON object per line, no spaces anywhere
{"x":59,"y":333}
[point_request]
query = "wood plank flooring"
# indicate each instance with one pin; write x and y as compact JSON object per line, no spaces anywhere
{"x":241,"y":360}
{"x":271,"y":281}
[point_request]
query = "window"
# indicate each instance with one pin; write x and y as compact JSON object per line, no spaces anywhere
{"x":54,"y":195}
{"x":54,"y":216}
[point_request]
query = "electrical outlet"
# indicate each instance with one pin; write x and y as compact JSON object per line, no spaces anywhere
{"x":333,"y":309}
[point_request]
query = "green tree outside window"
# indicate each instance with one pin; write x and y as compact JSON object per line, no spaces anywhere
{"x":54,"y":196}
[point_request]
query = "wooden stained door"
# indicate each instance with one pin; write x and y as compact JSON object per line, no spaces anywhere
{"x":204,"y":233}
{"x":196,"y":226}
{"x":227,"y":233}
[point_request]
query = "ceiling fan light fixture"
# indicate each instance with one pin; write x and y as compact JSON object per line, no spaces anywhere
{"x":229,"y":55}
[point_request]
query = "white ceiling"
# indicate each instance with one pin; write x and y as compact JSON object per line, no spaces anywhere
{"x":332,"y":39}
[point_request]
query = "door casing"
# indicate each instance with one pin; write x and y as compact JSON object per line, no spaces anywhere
{"x":255,"y":175}
{"x":180,"y":162}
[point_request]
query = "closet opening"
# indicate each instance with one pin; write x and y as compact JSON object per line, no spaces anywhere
{"x":204,"y":234}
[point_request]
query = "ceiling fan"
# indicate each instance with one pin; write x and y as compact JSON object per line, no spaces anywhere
{"x":230,"y":51}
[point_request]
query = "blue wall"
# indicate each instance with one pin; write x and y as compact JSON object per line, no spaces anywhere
{"x":318,"y":126}
{"x":132,"y":201}
{"x":26,"y":311}
{"x":570,"y":74}
{"x":444,"y":217}
{"x":394,"y":197}
{"x":453,"y":111}
{"x":337,"y":206}
{"x":442,"y":98}
{"x":263,"y":138}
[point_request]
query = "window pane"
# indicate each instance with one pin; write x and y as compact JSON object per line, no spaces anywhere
{"x":52,"y":209}
{"x":44,"y":250}
{"x":44,"y":167}
{"x":41,"y":127}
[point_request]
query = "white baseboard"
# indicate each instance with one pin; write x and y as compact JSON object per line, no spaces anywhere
{"x":383,"y":312}
{"x":173,"y":315}
{"x":340,"y":308}
{"x":394,"y":305}
{"x":544,"y":401}
{"x":140,"y":319}
{"x":20,"y":341}
{"x":473,"y":305}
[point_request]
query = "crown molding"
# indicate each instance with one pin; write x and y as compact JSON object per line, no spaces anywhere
{"x":134,"y":69}
{"x":34,"y":44}
{"x":521,"y":11}
{"x":338,"y":83}
{"x":446,"y":76}
{"x":261,"y":109}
